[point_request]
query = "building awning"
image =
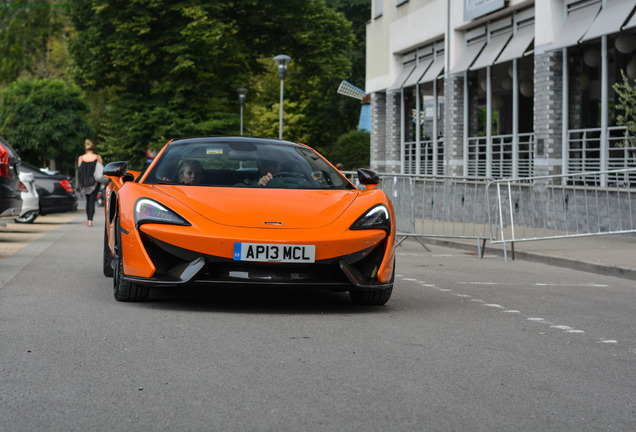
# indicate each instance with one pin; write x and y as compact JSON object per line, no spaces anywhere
{"x":417,"y":73}
{"x":407,"y":69}
{"x":518,"y":45}
{"x":610,"y":19}
{"x":468,"y":57}
{"x":631,"y":23}
{"x":434,"y":71}
{"x":491,"y":51}
{"x":576,"y":24}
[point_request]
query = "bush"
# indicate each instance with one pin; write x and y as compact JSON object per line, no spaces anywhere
{"x":626,"y":92}
{"x":352,"y":150}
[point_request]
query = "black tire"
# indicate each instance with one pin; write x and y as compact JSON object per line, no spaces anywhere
{"x":373,"y":297}
{"x":125,"y":291}
{"x":28,"y":217}
{"x":108,"y":255}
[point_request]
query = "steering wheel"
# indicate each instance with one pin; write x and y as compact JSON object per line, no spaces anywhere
{"x":280,"y":174}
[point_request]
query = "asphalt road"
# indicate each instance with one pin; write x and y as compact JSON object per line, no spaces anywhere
{"x":463,"y":345}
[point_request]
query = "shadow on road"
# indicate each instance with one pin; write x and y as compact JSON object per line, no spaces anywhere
{"x":257,"y":300}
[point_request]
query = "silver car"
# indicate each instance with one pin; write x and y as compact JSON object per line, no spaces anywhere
{"x":30,"y":199}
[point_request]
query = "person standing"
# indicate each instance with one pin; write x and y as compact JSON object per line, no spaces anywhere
{"x":89,"y":187}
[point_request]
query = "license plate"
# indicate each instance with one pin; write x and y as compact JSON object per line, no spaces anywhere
{"x":274,"y":253}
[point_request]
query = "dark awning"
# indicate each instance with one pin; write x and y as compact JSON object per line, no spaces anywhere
{"x":518,"y":45}
{"x":491,"y":51}
{"x":418,"y":72}
{"x":576,"y":24}
{"x":631,"y":23}
{"x":610,"y":19}
{"x":434,"y":71}
{"x":468,"y":57}
{"x":397,"y":85}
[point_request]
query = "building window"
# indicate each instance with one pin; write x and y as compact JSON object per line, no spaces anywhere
{"x":377,"y":8}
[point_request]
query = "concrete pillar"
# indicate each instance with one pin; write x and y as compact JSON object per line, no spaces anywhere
{"x":378,"y":131}
{"x":454,"y":126}
{"x":548,"y":112}
{"x":393,"y":132}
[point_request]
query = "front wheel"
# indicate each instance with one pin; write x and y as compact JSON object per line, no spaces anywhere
{"x":371,"y":298}
{"x":123,"y":290}
{"x":107,"y":255}
{"x":28,"y":217}
{"x":377,"y":297}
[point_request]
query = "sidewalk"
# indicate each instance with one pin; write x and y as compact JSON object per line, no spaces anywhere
{"x":611,"y":255}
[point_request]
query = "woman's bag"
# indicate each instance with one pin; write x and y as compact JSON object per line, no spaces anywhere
{"x":99,"y":174}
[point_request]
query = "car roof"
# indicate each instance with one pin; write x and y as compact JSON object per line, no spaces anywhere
{"x":231,"y":139}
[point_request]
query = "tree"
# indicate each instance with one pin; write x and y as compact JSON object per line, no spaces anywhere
{"x":318,"y":39}
{"x":351,"y":150}
{"x":165,"y":69}
{"x":45,"y":120}
{"x":25,"y":37}
{"x":626,"y":92}
{"x":158,"y":67}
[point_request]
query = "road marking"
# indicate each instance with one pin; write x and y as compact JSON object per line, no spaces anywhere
{"x":561,"y":327}
{"x":541,"y":284}
{"x":539,"y":320}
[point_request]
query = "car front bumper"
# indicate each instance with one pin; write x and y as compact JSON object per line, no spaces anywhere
{"x":177,"y":266}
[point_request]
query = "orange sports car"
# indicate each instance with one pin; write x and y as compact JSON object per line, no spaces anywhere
{"x":229,"y":211}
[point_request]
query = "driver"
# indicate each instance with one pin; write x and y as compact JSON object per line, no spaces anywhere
{"x":268,"y":165}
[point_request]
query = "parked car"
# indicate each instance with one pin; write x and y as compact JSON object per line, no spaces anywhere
{"x":246,"y":211}
{"x":10,"y":195}
{"x":56,"y":192}
{"x":30,"y":199}
{"x":100,"y":196}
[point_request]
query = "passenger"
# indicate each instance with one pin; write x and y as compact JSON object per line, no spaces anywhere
{"x":190,"y":172}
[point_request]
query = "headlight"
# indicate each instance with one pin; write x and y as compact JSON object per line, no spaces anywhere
{"x":376,"y":218}
{"x":149,"y":211}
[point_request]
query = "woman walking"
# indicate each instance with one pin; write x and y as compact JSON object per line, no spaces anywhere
{"x":86,"y":175}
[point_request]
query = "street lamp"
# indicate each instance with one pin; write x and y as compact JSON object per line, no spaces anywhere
{"x":242,"y":92}
{"x":281,"y":62}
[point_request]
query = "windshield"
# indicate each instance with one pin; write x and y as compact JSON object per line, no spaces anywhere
{"x":248,"y":163}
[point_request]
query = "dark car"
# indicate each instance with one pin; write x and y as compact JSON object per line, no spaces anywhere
{"x":10,"y":194}
{"x":56,"y":192}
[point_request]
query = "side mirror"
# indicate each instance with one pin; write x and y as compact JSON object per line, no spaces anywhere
{"x":368,"y":177}
{"x":116,"y":169}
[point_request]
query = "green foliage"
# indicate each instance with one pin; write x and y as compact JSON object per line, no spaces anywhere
{"x":626,"y":92}
{"x":358,"y":12}
{"x":26,"y":40}
{"x":155,"y":66}
{"x":294,"y":122}
{"x":45,"y":120}
{"x":158,"y":69}
{"x":352,"y":150}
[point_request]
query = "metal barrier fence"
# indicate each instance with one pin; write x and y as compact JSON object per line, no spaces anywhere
{"x":509,"y":210}
{"x":438,"y":207}
{"x":560,"y":206}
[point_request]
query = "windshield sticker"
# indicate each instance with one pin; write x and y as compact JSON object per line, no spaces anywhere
{"x":214,"y":151}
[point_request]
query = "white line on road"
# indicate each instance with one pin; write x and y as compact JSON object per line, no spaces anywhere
{"x":542,"y":284}
{"x":564,"y":328}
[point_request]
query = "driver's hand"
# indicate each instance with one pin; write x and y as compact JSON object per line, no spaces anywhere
{"x":263,"y":180}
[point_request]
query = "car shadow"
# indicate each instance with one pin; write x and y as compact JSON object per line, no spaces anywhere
{"x":269,"y":300}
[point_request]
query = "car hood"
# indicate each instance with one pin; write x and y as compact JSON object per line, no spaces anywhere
{"x":264,"y":208}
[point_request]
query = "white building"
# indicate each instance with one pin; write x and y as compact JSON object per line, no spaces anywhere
{"x":499,"y":88}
